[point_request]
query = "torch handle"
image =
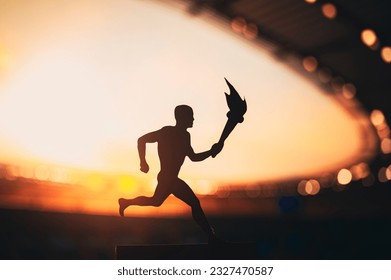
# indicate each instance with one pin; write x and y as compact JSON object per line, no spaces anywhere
{"x":229,"y":126}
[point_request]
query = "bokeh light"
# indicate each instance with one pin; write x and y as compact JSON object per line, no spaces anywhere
{"x":310,"y":64}
{"x":308,"y":187}
{"x":368,"y":37}
{"x":301,"y":187}
{"x":388,"y":173}
{"x":238,"y":24}
{"x":382,"y":175}
{"x":377,"y":117}
{"x":250,"y":31}
{"x":349,"y":91}
{"x":344,"y":176}
{"x":359,"y":171}
{"x":385,"y":146}
{"x":386,"y":54}
{"x":325,"y":75}
{"x":384,"y":132}
{"x":312,"y":187}
{"x":204,"y":187}
{"x":329,"y":10}
{"x":223,"y":191}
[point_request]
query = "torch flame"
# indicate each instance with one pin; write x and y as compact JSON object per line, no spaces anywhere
{"x":237,"y":105}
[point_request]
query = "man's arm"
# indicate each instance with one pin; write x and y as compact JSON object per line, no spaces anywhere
{"x":141,"y":146}
{"x":198,"y":156}
{"x":202,"y":156}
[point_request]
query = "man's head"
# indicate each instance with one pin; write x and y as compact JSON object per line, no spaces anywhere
{"x":184,"y":116}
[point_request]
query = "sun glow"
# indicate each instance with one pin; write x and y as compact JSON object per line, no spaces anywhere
{"x":89,"y":77}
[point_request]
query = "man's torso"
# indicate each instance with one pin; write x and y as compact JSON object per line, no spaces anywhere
{"x":173,"y":147}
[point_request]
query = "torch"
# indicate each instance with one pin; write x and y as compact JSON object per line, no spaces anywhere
{"x":237,"y":108}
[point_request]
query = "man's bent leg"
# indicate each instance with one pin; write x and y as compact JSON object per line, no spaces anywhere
{"x":160,"y":195}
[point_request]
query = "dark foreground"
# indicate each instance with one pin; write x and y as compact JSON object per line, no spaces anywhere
{"x":42,"y":235}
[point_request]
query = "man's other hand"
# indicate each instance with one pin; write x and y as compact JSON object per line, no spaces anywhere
{"x":144,"y":167}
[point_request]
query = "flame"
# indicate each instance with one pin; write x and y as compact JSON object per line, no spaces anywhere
{"x":236,"y":104}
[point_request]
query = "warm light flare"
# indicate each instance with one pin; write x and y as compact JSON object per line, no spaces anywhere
{"x":312,"y":187}
{"x":386,"y":54}
{"x":250,"y":31}
{"x":204,"y":187}
{"x":385,"y":146}
{"x":308,"y":187}
{"x":377,"y":118}
{"x":344,"y":176}
{"x":310,"y":63}
{"x":238,"y":24}
{"x":384,"y":132}
{"x":127,"y":184}
{"x":329,"y":10}
{"x":348,"y":91}
{"x":325,"y":75}
{"x":359,"y":171}
{"x":382,"y":175}
{"x":369,"y":38}
{"x":223,"y":191}
{"x":388,"y":173}
{"x":301,"y":187}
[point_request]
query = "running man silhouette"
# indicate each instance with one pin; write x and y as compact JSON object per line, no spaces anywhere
{"x":173,"y":146}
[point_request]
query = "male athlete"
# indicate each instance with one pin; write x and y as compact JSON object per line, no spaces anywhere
{"x":173,"y":146}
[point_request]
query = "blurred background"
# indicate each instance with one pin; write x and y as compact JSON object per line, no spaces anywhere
{"x":305,"y":176}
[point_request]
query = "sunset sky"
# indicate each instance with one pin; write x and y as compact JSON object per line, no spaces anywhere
{"x":80,"y":81}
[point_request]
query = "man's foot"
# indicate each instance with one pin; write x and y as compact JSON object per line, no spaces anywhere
{"x":121,"y":203}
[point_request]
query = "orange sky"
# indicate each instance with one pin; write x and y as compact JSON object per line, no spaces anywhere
{"x":80,"y":81}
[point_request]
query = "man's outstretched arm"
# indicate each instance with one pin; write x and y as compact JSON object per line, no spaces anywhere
{"x":204,"y":155}
{"x":198,"y":156}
